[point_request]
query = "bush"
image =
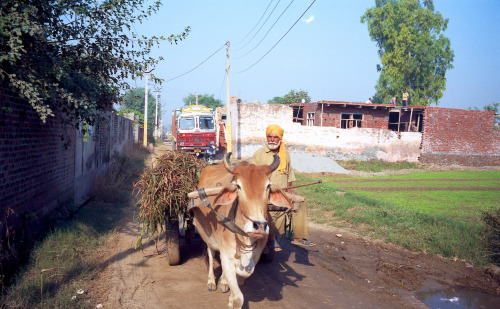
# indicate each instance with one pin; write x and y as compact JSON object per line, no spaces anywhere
{"x":491,"y":237}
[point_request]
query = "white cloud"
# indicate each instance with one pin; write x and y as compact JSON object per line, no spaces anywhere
{"x":310,"y":19}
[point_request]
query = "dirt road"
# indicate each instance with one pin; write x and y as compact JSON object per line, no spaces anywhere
{"x":343,"y":270}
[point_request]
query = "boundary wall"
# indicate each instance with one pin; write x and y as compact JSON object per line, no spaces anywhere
{"x":39,"y":177}
{"x":459,"y":136}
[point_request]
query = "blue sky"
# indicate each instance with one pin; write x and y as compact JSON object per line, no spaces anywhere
{"x":327,"y":53}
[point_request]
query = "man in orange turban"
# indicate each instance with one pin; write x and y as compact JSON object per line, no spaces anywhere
{"x":283,"y":176}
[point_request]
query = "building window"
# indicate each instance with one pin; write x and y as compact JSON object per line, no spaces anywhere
{"x":310,"y":118}
{"x":348,"y":121}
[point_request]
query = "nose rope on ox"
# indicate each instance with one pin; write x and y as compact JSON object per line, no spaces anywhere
{"x":245,"y":215}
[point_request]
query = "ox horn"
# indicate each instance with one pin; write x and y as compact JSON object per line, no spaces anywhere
{"x":227,"y":164}
{"x":276,"y":162}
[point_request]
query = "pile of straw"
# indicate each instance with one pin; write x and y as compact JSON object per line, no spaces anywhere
{"x":163,"y":189}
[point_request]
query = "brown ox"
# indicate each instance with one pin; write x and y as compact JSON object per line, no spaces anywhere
{"x":243,"y":199}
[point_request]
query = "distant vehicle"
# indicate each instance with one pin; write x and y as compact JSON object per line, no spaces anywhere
{"x":209,"y":155}
{"x":194,"y":129}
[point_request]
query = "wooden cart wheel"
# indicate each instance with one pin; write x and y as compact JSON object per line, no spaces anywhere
{"x":172,"y":238}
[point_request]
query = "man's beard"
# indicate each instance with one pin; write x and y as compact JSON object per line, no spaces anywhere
{"x":274,"y":146}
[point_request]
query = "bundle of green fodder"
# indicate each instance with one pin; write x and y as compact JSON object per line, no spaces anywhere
{"x":163,"y":190}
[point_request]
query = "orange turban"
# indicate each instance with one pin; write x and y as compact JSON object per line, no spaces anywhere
{"x":276,"y":129}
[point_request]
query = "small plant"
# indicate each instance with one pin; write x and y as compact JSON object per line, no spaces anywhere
{"x":491,"y":237}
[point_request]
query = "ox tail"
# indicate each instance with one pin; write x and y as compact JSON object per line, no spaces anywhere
{"x":204,"y":255}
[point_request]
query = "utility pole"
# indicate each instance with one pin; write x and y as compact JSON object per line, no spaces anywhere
{"x":157,"y":90}
{"x":145,"y":137}
{"x":228,"y":103}
{"x":196,"y":98}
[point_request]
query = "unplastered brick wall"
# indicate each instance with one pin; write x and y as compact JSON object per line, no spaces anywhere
{"x":38,"y":175}
{"x":252,"y":120}
{"x":36,"y":171}
{"x":458,"y":136}
{"x":330,"y":115}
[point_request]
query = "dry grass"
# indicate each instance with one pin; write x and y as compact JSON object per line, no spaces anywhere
{"x":108,"y":187}
{"x":163,"y":190}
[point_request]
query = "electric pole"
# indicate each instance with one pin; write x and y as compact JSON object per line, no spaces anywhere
{"x":157,"y":90}
{"x":145,"y":137}
{"x":228,"y":103}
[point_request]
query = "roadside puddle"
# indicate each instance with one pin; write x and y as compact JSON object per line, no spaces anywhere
{"x":458,"y":298}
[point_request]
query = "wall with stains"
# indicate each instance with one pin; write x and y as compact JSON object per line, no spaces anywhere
{"x":251,"y":119}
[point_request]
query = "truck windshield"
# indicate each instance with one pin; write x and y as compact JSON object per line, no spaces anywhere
{"x":206,"y":122}
{"x":186,"y":123}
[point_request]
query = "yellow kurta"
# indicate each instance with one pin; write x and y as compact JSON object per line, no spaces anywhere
{"x":264,"y":156}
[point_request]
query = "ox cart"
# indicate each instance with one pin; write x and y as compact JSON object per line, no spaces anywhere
{"x":175,"y":231}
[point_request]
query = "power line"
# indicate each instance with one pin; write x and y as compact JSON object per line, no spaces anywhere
{"x":260,"y":26}
{"x":197,"y":65}
{"x":256,"y":23}
{"x":278,"y":40}
{"x":269,"y":29}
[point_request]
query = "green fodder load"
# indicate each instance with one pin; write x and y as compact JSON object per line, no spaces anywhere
{"x":163,"y":189}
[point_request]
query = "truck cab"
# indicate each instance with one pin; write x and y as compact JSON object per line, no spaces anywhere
{"x":196,"y":129}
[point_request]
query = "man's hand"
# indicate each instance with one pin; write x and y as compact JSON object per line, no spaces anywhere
{"x":290,"y":191}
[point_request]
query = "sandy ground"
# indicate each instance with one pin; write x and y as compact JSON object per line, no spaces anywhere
{"x":343,"y":270}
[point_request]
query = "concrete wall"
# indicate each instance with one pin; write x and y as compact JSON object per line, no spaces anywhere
{"x":457,"y":136}
{"x":93,"y":154}
{"x":251,"y":119}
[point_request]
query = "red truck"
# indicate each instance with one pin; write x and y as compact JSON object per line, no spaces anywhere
{"x":194,"y":129}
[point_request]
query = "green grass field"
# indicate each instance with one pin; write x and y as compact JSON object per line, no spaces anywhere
{"x":462,"y":194}
{"x":437,"y":212}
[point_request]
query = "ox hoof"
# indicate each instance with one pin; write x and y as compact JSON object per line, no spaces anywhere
{"x":224,"y":288}
{"x":212,"y":287}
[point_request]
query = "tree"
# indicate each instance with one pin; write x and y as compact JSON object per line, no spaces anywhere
{"x":292,"y":97}
{"x":204,"y":99}
{"x":74,"y":57}
{"x":414,"y":53}
{"x":140,"y":116}
{"x":493,"y":107}
{"x":275,"y":100}
{"x":133,"y":100}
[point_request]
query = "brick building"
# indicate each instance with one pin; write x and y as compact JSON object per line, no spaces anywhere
{"x":350,"y":130}
{"x":346,"y":115}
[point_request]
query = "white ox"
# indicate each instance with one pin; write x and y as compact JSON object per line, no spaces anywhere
{"x":243,"y":199}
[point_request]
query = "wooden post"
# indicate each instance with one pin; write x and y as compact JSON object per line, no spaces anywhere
{"x":409,"y":122}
